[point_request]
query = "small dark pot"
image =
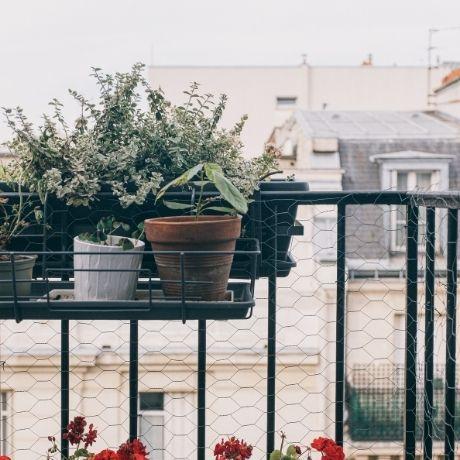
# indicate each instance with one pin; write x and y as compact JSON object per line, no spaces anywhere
{"x":208,"y":273}
{"x":23,"y":266}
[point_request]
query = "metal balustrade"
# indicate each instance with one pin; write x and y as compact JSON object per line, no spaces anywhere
{"x":399,"y":409}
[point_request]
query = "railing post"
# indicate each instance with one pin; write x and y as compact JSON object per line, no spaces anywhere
{"x":451,"y":306}
{"x":271,"y":341}
{"x":430,"y":255}
{"x":201,"y":390}
{"x":340,"y":326}
{"x":411,"y":333}
{"x":65,"y":369}
{"x":133,"y":377}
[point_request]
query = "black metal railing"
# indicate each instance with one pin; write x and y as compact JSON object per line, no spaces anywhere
{"x":268,"y":211}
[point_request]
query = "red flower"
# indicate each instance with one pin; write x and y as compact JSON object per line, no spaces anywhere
{"x":333,"y":452}
{"x":233,"y":448}
{"x":75,"y":430}
{"x":320,"y":443}
{"x":106,"y":454}
{"x":132,"y":450}
{"x":90,"y":436}
{"x":4,"y":457}
{"x":328,"y":448}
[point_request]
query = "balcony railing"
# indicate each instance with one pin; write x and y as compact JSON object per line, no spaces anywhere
{"x":283,"y":360}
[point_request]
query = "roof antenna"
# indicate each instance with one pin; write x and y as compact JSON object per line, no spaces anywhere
{"x":304,"y":59}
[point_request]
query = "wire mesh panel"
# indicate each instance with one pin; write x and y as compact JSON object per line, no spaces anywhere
{"x":352,"y":343}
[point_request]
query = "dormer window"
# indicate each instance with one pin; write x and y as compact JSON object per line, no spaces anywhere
{"x":411,"y":171}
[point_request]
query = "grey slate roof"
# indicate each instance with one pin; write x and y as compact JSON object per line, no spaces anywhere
{"x":375,"y":125}
{"x":366,"y":137}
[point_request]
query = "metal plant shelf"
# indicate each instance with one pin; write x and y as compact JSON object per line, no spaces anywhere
{"x":153,"y":305}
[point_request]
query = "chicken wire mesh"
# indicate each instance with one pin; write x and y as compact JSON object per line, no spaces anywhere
{"x":238,"y":353}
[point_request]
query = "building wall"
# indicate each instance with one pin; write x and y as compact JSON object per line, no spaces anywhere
{"x":448,"y":99}
{"x":253,"y":91}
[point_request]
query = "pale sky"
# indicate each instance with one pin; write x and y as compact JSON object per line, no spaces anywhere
{"x":47,"y":46}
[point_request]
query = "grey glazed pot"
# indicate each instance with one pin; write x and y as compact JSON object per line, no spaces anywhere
{"x":23,"y":267}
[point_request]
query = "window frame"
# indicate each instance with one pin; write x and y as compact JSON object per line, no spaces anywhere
{"x":5,"y":413}
{"x":153,"y":412}
{"x":290,"y":102}
{"x":395,"y":216}
{"x":417,"y":162}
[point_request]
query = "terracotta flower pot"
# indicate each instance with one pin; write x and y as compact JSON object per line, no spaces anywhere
{"x":208,"y":272}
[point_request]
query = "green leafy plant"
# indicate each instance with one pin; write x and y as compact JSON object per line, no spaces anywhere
{"x":15,"y":217}
{"x":105,"y":228}
{"x":200,"y":177}
{"x":130,"y":141}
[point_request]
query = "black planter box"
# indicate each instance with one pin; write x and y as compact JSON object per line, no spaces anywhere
{"x":273,"y":227}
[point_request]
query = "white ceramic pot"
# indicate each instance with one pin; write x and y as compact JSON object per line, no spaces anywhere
{"x":105,"y":284}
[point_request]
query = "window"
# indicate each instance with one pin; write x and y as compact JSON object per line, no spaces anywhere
{"x":4,"y":415}
{"x":409,"y":180}
{"x":151,"y":423}
{"x":286,"y":102}
{"x":411,"y":170}
{"x":324,"y":237}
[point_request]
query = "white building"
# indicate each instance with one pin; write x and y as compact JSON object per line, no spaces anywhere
{"x":447,"y":96}
{"x":269,"y":94}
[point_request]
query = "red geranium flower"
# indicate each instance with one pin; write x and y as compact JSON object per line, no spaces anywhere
{"x":328,"y":448}
{"x":233,"y":448}
{"x":106,"y":454}
{"x":132,"y":450}
{"x":75,"y":430}
{"x":333,"y":452}
{"x":90,"y":436}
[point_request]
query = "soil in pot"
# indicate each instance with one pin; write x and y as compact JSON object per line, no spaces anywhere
{"x":107,"y":280}
{"x":206,"y":274}
{"x":23,"y":267}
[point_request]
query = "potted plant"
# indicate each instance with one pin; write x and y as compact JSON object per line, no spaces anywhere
{"x":129,"y":143}
{"x":15,"y":217}
{"x":206,"y":274}
{"x":102,"y":270}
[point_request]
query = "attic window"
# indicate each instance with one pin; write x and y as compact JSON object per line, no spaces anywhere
{"x":286,"y":101}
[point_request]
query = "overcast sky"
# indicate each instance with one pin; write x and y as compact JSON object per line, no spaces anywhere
{"x":47,"y":46}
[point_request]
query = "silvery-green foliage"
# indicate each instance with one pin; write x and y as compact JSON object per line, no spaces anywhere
{"x":132,"y":141}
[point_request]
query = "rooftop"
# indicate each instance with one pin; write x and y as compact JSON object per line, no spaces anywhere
{"x":376,"y":124}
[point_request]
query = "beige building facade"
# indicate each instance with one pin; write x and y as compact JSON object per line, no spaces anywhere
{"x":269,"y":94}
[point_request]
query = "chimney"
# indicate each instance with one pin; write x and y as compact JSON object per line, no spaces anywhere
{"x":368,"y":61}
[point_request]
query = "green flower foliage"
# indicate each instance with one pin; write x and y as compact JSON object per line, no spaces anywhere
{"x":131,"y":141}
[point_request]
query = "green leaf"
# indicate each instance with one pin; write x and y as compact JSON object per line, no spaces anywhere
{"x":176,"y":205}
{"x":81,"y":453}
{"x":230,"y":193}
{"x":126,"y":244}
{"x":292,"y":451}
{"x":223,"y":209}
{"x":275,"y":455}
{"x":181,"y":180}
{"x":211,"y":169}
{"x":200,"y":183}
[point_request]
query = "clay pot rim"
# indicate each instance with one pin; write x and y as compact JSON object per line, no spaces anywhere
{"x":191,"y":220}
{"x":137,"y":243}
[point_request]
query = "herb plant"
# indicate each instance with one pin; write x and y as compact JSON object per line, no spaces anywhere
{"x":130,"y":141}
{"x":199,"y":178}
{"x":105,"y":228}
{"x":15,"y":217}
